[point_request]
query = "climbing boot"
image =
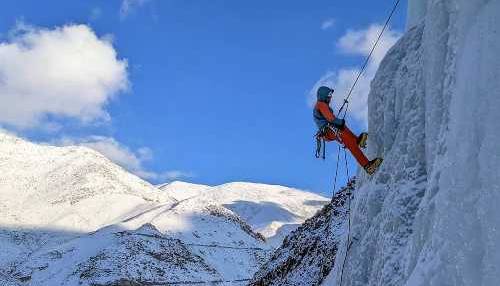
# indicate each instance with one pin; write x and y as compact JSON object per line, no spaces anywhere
{"x":373,"y":165}
{"x":362,"y":138}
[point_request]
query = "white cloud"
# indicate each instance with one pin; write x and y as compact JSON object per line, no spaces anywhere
{"x":129,"y":5}
{"x":131,"y":160}
{"x":358,"y":43}
{"x":361,"y":42}
{"x":327,"y":24}
{"x":173,"y":175}
{"x":62,"y":72}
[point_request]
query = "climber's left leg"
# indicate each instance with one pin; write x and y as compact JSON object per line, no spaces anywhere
{"x":351,"y":142}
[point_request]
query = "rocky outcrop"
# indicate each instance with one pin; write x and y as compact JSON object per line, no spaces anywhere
{"x":309,"y":253}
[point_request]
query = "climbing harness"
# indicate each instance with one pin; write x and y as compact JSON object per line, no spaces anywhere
{"x":321,"y":140}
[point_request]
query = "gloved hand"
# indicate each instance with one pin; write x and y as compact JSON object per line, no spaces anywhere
{"x":339,"y":123}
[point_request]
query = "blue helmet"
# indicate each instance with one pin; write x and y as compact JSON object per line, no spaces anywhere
{"x":324,"y":93}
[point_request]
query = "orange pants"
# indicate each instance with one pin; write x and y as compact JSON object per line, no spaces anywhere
{"x":350,"y":141}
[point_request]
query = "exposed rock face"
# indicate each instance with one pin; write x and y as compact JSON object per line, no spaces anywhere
{"x":309,"y":253}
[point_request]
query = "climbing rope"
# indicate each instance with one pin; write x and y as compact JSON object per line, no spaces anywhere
{"x":349,"y":194}
{"x":349,"y":238}
{"x":346,"y":165}
{"x":363,"y":68}
{"x":336,"y":170}
{"x":345,"y":105}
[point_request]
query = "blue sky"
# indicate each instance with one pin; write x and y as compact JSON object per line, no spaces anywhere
{"x":202,"y":91}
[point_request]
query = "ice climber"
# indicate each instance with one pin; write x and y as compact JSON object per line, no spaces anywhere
{"x":332,"y":128}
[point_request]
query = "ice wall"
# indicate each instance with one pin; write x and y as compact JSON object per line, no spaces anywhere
{"x":416,"y":12}
{"x":430,"y":216}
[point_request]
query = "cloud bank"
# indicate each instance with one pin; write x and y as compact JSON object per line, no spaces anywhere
{"x":65,"y":72}
{"x":131,"y":160}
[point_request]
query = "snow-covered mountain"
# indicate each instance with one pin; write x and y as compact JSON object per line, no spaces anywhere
{"x":72,"y":217}
{"x":70,"y":189}
{"x":183,"y":190}
{"x":273,"y":211}
{"x":430,"y":215}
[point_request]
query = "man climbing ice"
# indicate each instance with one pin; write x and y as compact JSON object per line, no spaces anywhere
{"x":335,"y":129}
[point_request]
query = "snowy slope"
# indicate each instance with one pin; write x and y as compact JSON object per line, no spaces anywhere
{"x":430,"y":216}
{"x":110,"y":255}
{"x":188,"y":247}
{"x":183,"y":190}
{"x":69,"y":188}
{"x":274,"y":211}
